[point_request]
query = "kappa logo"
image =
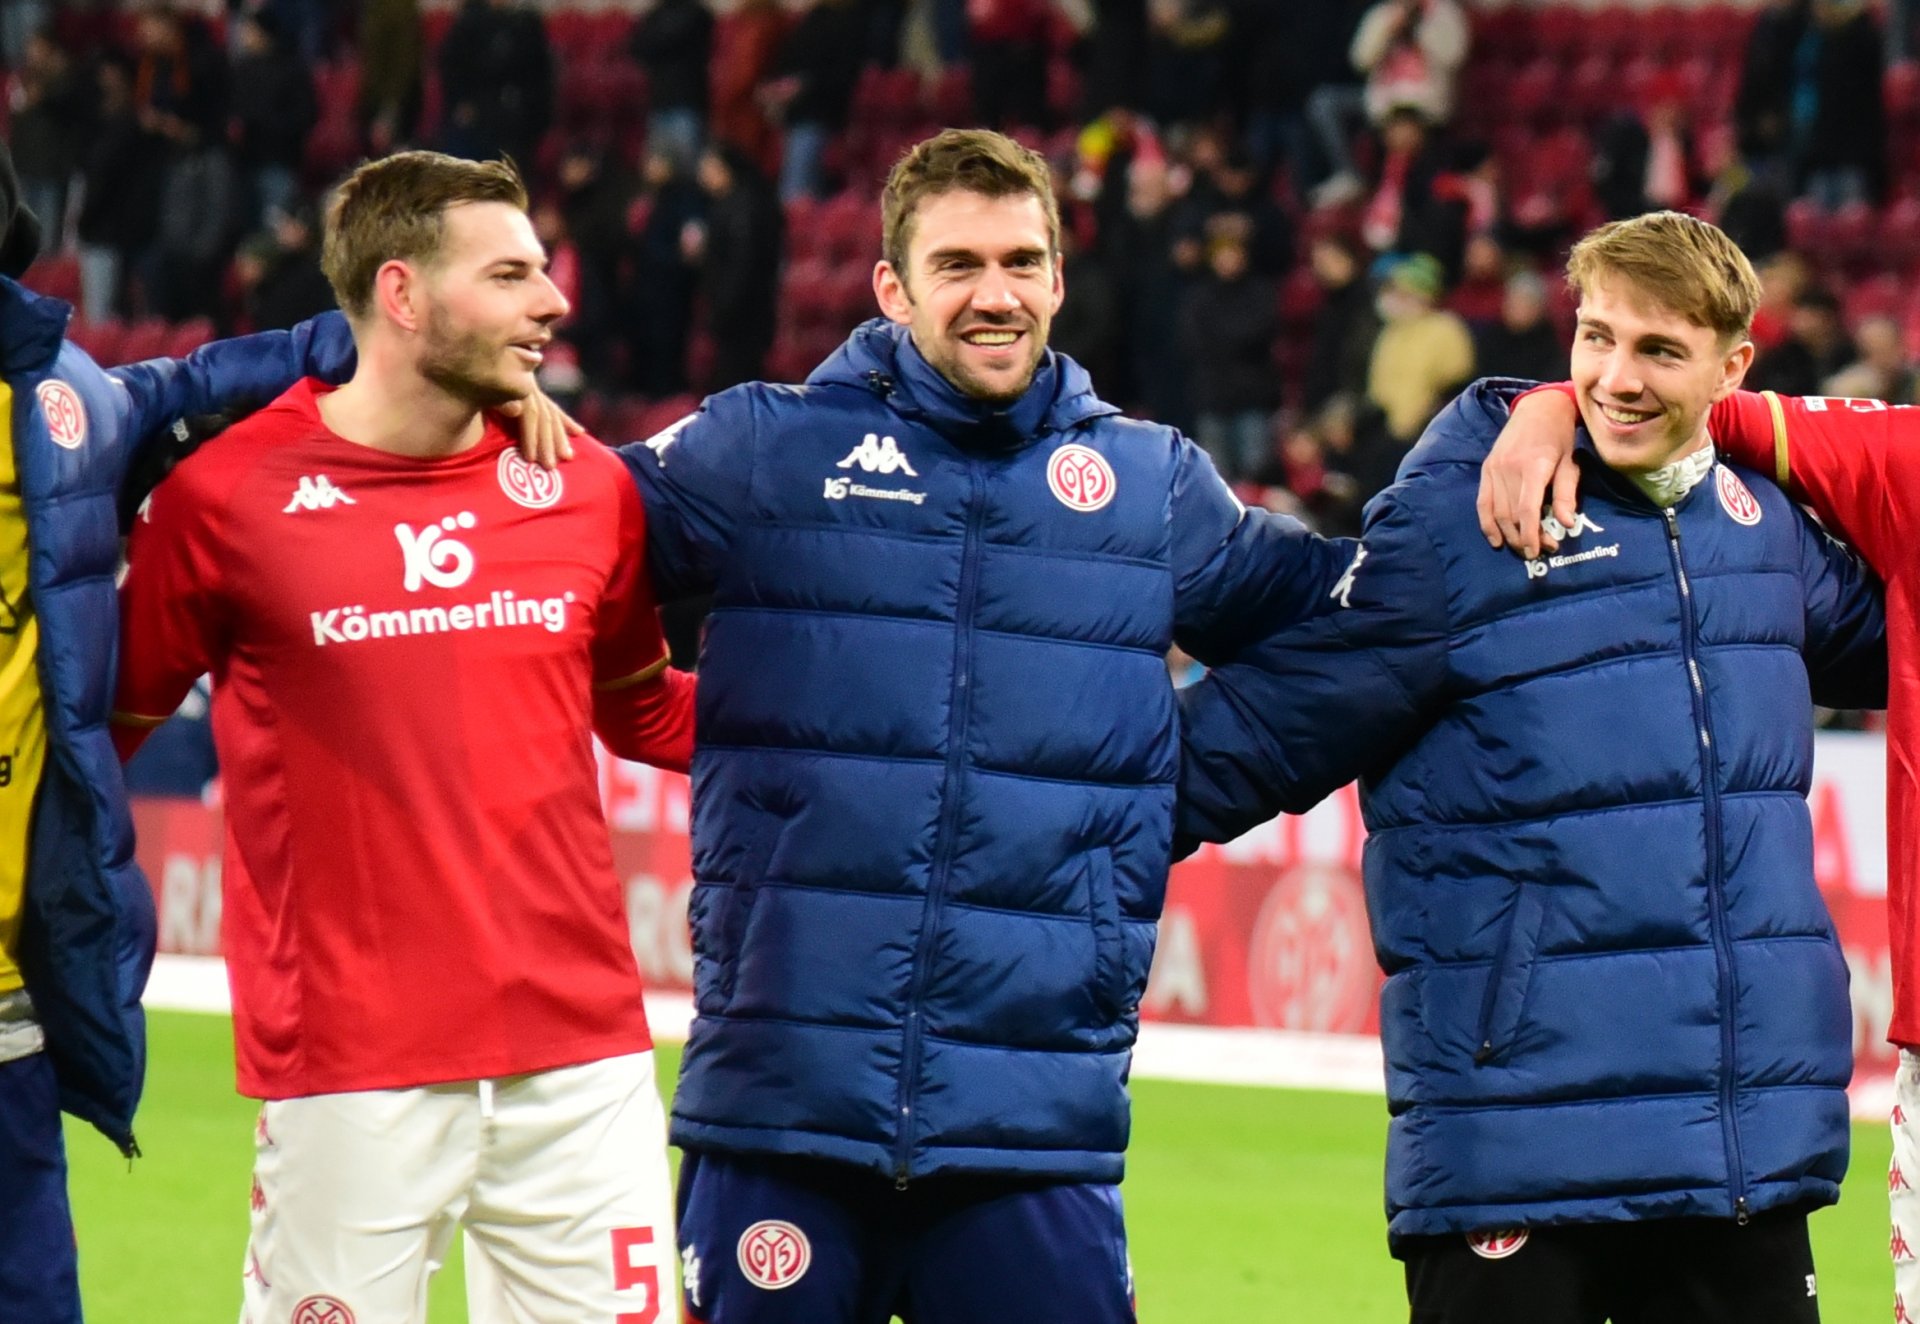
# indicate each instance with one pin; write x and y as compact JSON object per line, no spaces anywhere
{"x":431,"y":557}
{"x":878,"y":455}
{"x":664,"y":438}
{"x":690,"y":1274}
{"x":322,"y":1310}
{"x":66,"y":416}
{"x":1497,"y":1245}
{"x":1581,"y":524}
{"x":1735,"y":499}
{"x":316,"y":493}
{"x":774,"y":1254}
{"x":1080,"y":478}
{"x":527,"y":484}
{"x":1344,"y":589}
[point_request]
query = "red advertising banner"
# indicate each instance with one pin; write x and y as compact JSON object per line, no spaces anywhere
{"x":1269,"y":931}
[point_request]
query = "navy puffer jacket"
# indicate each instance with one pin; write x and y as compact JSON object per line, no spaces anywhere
{"x":88,"y":930}
{"x":1613,"y":990}
{"x":934,"y":777}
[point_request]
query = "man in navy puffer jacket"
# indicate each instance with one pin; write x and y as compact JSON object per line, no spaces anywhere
{"x":76,"y":916}
{"x":934,"y":779}
{"x":1615,"y":1017}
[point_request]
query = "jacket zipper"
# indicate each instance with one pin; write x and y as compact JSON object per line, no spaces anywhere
{"x":1716,"y":896}
{"x":960,"y":704}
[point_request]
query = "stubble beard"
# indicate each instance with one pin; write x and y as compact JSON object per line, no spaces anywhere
{"x":464,"y":365}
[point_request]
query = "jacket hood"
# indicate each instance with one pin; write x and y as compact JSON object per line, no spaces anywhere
{"x":880,"y":356}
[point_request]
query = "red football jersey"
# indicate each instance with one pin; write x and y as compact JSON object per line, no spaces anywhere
{"x":419,"y":885}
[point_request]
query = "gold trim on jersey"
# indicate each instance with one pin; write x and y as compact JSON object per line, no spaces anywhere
{"x":1779,"y":436}
{"x":628,"y":682}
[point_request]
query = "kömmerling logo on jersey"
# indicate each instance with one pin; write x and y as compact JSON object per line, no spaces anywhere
{"x":432,"y":558}
{"x":878,"y":455}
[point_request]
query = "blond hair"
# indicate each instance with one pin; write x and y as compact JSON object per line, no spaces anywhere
{"x":970,"y":160}
{"x":394,"y":209}
{"x":1680,"y":262}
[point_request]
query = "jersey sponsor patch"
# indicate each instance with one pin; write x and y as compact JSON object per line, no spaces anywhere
{"x":1735,"y":499}
{"x":1081,"y":478}
{"x":1497,"y":1244}
{"x":774,"y":1254}
{"x":322,"y":1310}
{"x":528,"y":484}
{"x":66,"y":416}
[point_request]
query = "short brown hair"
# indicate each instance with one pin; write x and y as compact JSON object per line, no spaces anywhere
{"x":395,"y":209}
{"x":1681,"y":262}
{"x":973,"y":160}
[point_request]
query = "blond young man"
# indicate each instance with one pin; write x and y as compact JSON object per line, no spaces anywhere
{"x":411,"y":631}
{"x":1615,"y":1015}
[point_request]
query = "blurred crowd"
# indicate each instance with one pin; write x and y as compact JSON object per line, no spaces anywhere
{"x":1292,"y":229}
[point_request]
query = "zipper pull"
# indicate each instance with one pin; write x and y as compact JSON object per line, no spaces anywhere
{"x":1673,"y":524}
{"x":1741,"y":1214}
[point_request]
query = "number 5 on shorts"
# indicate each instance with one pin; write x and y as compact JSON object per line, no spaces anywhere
{"x":628,"y":1275}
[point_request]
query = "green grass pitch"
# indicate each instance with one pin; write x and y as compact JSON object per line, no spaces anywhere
{"x":1242,"y":1204}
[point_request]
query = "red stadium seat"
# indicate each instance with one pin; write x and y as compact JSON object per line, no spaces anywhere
{"x":101,"y":340}
{"x":1534,"y":94}
{"x":189,"y":336}
{"x":1884,"y":295}
{"x":1300,"y":298}
{"x":849,"y":225}
{"x":146,"y":339}
{"x":1901,"y":90}
{"x":951,"y":100}
{"x":1559,"y":33}
{"x":1593,"y":89}
{"x":1616,"y":32}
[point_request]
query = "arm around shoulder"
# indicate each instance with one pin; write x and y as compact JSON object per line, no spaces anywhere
{"x":1310,"y":708}
{"x":695,"y":478}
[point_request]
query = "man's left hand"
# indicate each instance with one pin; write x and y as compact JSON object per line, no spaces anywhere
{"x":545,"y":429}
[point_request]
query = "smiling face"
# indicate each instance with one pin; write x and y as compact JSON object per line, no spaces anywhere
{"x":979,"y":290}
{"x":1646,"y":377}
{"x":487,"y":306}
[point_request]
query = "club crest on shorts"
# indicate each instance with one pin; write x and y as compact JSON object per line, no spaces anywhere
{"x":774,"y":1254}
{"x":322,"y":1310}
{"x":528,"y":484}
{"x":1735,"y":499}
{"x":1497,"y":1244}
{"x":1081,"y":478}
{"x":66,"y":416}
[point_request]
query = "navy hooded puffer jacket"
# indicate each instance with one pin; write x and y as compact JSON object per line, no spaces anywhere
{"x":934,"y":777}
{"x":1613,"y":989}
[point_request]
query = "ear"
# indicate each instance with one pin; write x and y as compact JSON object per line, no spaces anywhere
{"x":890,"y":292}
{"x":397,"y":291}
{"x":1733,"y":370}
{"x":1059,"y":285}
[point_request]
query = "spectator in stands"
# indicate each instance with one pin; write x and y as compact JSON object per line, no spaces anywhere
{"x":660,"y":299}
{"x":737,"y":250}
{"x":812,"y":90}
{"x":673,"y":43}
{"x":1816,"y":347}
{"x":1089,"y":328}
{"x":1783,"y":279}
{"x":1295,"y":53}
{"x":1648,"y":162}
{"x":289,"y":287}
{"x":1116,"y":58}
{"x":392,"y":54}
{"x":1423,"y":353}
{"x":1336,"y":107}
{"x":1403,"y":214}
{"x":496,"y":75}
{"x":1008,"y":41}
{"x":53,"y":104}
{"x":1138,"y":246}
{"x":273,"y":110}
{"x":1839,"y":117}
{"x":745,"y":49}
{"x":1752,"y":206}
{"x":597,"y":194}
{"x":1231,"y":197}
{"x":1226,"y":332}
{"x":122,"y":171}
{"x":202,"y":214}
{"x":1345,"y":326}
{"x":1186,"y":59}
{"x":1882,"y":372}
{"x":1313,"y":464}
{"x":1411,"y":52}
{"x":180,"y":78}
{"x":1763,"y":108}
{"x":1523,"y":343}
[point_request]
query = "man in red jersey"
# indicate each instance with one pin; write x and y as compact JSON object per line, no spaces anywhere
{"x":1856,"y":464}
{"x":411,"y":632}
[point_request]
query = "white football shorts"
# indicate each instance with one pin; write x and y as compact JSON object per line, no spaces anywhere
{"x":559,"y":1180}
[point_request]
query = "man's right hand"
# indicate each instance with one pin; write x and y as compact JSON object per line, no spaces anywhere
{"x":1535,"y":449}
